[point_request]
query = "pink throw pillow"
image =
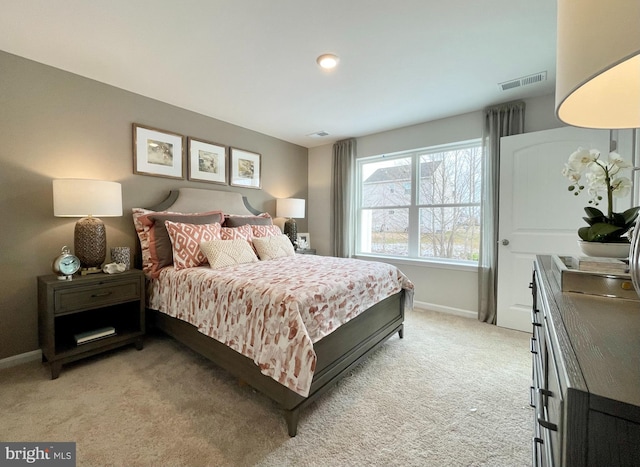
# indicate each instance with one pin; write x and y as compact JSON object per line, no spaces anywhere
{"x":186,"y":239}
{"x":244,"y":232}
{"x":266,"y":230}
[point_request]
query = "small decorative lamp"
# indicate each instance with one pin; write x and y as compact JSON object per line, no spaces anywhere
{"x":598,"y":63}
{"x":86,"y":199}
{"x":290,"y":208}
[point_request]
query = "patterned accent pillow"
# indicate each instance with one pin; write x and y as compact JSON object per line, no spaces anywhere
{"x":244,"y":232}
{"x":273,"y":247}
{"x":143,"y":235}
{"x":221,"y":253}
{"x":266,"y":230}
{"x":186,"y":239}
{"x":160,"y":247}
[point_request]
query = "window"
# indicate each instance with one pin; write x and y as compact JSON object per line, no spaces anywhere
{"x":421,"y":204}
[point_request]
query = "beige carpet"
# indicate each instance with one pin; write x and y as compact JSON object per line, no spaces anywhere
{"x":453,"y":392}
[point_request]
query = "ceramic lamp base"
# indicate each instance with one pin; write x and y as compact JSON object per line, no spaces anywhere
{"x":90,"y":243}
{"x":291,"y":231}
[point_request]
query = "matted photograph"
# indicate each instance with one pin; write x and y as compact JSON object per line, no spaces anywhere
{"x":304,"y":241}
{"x":157,"y":152}
{"x":207,"y":161}
{"x":245,"y":168}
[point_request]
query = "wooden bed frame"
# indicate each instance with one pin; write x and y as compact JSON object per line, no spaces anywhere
{"x":336,"y":353}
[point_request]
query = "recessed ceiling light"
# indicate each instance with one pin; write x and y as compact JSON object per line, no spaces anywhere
{"x":328,"y":61}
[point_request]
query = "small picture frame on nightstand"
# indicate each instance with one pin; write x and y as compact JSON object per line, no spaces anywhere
{"x":303,"y":242}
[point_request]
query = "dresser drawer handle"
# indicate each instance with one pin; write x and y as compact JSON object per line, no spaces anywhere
{"x":101,"y":294}
{"x":548,"y":425}
{"x":535,"y":453}
{"x":532,"y":396}
{"x":540,"y":414}
{"x":534,"y":318}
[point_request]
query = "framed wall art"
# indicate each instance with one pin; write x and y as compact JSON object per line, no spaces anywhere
{"x":157,"y":152}
{"x":245,"y":168}
{"x":207,"y":161}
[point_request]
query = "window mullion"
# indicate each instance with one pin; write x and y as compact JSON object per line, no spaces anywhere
{"x":414,"y":212}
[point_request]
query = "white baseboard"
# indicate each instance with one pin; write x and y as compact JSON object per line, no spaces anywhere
{"x":19,"y":359}
{"x":445,"y":309}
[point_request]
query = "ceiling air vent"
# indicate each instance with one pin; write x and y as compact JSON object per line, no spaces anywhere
{"x":318,"y":134}
{"x":524,"y":81}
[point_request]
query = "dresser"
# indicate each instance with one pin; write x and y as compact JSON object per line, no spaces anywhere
{"x":586,"y":376}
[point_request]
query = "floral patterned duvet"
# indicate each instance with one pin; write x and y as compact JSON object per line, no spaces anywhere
{"x":273,"y":311}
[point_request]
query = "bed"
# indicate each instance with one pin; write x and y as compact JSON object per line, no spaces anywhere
{"x":287,"y":337}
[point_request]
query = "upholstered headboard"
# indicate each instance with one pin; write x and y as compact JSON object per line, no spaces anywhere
{"x":200,"y":200}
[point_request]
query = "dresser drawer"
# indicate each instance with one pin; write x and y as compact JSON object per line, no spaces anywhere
{"x":95,"y":296}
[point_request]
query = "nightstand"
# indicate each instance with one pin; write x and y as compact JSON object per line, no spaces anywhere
{"x":308,"y":251}
{"x":68,"y":310}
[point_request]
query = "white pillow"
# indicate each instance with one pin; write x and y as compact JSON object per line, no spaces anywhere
{"x":221,"y":253}
{"x":273,"y":247}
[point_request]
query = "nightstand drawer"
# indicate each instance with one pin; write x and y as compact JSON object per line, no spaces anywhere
{"x":93,"y":296}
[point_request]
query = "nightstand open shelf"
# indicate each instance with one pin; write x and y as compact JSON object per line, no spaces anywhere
{"x":68,"y":325}
{"x":85,"y":304}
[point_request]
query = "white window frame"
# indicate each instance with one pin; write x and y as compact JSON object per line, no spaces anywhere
{"x":414,"y":207}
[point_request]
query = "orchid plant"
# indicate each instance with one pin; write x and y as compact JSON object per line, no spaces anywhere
{"x":602,"y":179}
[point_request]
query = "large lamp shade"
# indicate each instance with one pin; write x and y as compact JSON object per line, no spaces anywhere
{"x":88,"y":199}
{"x":598,"y":63}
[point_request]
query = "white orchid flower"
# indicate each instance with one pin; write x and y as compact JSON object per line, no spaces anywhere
{"x":573,"y":175}
{"x":616,"y":160}
{"x":596,"y":179}
{"x":602,"y":182}
{"x":582,"y":157}
{"x":621,"y":187}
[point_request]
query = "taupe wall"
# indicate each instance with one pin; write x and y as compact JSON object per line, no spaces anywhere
{"x":440,"y":287}
{"x":54,"y":124}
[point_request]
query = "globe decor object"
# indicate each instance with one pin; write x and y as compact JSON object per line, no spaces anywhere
{"x":602,"y":180}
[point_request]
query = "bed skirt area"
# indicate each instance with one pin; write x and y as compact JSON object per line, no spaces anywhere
{"x":337,"y":353}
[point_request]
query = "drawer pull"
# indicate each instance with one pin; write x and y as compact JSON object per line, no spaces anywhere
{"x":101,"y":294}
{"x":535,"y":452}
{"x":534,"y":318}
{"x":540,"y":415}
{"x":548,"y":425}
{"x":532,"y":397}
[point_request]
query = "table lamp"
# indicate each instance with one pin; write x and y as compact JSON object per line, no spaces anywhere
{"x":88,"y":199}
{"x":290,"y":208}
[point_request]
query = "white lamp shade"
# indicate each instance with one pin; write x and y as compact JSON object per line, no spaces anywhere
{"x":80,"y":198}
{"x":290,"y":207}
{"x":598,"y":63}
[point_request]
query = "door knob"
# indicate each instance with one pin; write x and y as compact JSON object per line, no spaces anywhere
{"x":505,"y":242}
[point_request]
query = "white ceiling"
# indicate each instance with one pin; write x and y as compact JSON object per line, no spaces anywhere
{"x":252,"y":62}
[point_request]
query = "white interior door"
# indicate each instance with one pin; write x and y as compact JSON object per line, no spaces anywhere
{"x":537,"y":213}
